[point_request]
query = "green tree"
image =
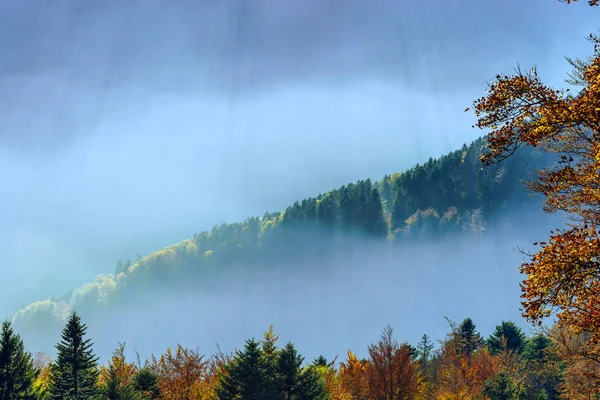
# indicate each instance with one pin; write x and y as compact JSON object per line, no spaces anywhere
{"x":146,"y":383}
{"x":17,"y":372}
{"x":468,"y":338}
{"x":244,"y":378}
{"x":113,"y":389}
{"x":514,"y":336}
{"x":500,"y":387}
{"x":269,"y":361}
{"x":74,"y":374}
{"x":298,"y":383}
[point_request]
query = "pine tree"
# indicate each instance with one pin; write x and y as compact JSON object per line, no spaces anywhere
{"x":424,"y":348}
{"x":17,"y":372}
{"x":117,"y":378}
{"x":298,"y":383}
{"x":514,"y":336}
{"x":468,"y":338}
{"x":146,"y":383}
{"x":114,"y":389}
{"x":269,"y":358}
{"x":74,"y":373}
{"x":244,"y":378}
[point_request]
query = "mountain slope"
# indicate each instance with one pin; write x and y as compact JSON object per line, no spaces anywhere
{"x":450,"y":195}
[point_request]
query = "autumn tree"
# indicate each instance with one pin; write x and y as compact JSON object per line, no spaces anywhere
{"x":17,"y":372}
{"x":74,"y":374}
{"x":464,"y":365}
{"x":353,"y":377}
{"x":564,"y":275}
{"x":181,"y":374}
{"x":391,"y":372}
{"x":116,"y":380}
{"x":582,"y":361}
{"x":42,"y":363}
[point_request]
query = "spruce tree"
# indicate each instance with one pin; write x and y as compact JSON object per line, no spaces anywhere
{"x":514,"y":336}
{"x":269,"y":358}
{"x":146,"y":383}
{"x":298,"y":383}
{"x":244,"y":378}
{"x":114,"y":389}
{"x":469,"y":339}
{"x":17,"y":372}
{"x":74,"y":374}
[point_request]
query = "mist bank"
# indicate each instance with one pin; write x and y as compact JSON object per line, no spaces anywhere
{"x":335,"y":302}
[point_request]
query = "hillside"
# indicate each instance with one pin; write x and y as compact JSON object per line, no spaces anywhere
{"x":446,"y":196}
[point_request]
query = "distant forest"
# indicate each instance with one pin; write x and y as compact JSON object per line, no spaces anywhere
{"x":450,"y":195}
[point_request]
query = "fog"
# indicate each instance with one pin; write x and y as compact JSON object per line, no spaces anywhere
{"x":329,"y":306}
{"x":128,"y":126}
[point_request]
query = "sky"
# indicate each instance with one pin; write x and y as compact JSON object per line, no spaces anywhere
{"x":130,"y":125}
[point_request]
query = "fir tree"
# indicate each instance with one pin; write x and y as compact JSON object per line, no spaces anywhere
{"x":244,"y":378}
{"x":74,"y":374}
{"x":469,"y":339}
{"x":17,"y":372}
{"x":298,"y":383}
{"x":114,"y":389}
{"x":514,"y":336}
{"x":146,"y":383}
{"x":269,"y":358}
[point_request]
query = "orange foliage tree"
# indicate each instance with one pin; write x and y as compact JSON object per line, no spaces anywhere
{"x":353,"y":377}
{"x":391,"y":372}
{"x":582,"y":375}
{"x":564,"y":275}
{"x":182,"y":375}
{"x":462,"y":371}
{"x":124,"y":370}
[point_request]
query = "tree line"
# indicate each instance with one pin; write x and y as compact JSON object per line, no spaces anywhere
{"x":506,"y":365}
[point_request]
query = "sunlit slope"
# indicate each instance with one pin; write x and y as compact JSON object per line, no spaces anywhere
{"x":452,"y":194}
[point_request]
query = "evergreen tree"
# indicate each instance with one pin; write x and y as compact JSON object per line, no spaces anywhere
{"x":74,"y":374}
{"x":269,"y":359}
{"x":320,"y":361}
{"x":114,"y":389}
{"x":501,"y":387}
{"x":424,"y":349}
{"x":244,"y":378}
{"x":298,"y":383}
{"x":514,"y":336}
{"x":17,"y":372}
{"x":145,"y":382}
{"x":468,"y":338}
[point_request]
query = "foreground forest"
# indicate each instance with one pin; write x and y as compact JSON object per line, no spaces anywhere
{"x":506,"y":365}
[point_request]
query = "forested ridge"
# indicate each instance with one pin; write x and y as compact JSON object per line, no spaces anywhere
{"x":449,"y":195}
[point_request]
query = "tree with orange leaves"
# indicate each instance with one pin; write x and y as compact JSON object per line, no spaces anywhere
{"x":391,"y":372}
{"x":564,"y":275}
{"x":353,"y":377}
{"x":182,"y":375}
{"x":116,"y":379}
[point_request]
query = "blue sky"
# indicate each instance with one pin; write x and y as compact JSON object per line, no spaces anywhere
{"x":130,"y":125}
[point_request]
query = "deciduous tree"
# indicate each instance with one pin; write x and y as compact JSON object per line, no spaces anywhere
{"x":564,"y":275}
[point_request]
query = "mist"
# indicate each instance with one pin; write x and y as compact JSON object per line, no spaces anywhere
{"x":129,"y":126}
{"x":327,"y":306}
